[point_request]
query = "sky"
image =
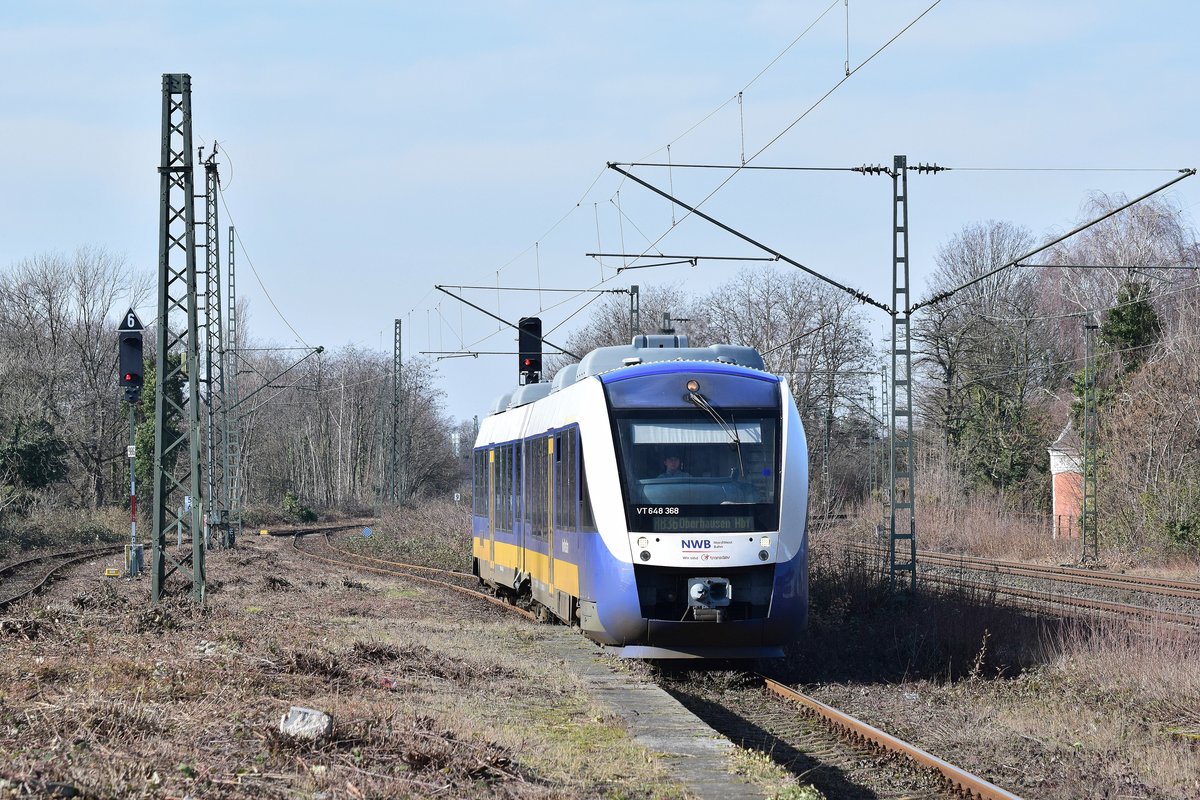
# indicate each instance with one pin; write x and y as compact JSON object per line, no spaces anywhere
{"x":370,"y":150}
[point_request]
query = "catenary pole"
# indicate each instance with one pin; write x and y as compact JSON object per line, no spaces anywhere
{"x":177,"y":492}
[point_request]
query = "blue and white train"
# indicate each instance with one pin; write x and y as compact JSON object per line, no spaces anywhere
{"x":654,"y":494}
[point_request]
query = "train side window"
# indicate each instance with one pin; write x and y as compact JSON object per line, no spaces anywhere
{"x":515,"y":486}
{"x":476,"y":488}
{"x":570,"y":498}
{"x":587,"y":522}
{"x":498,"y":487}
{"x":508,"y":484}
{"x":494,"y":458}
{"x":508,"y":493}
{"x":502,"y":488}
{"x":538,"y":492}
{"x":559,"y":522}
{"x":483,"y":483}
{"x":521,"y":492}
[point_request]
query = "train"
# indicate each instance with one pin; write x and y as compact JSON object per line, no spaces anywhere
{"x":653,"y":494}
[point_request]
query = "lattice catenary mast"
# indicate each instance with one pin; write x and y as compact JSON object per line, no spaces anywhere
{"x":176,"y":476}
{"x":216,"y":528}
{"x":233,"y":450}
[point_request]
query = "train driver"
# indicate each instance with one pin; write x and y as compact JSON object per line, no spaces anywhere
{"x":673,"y":468}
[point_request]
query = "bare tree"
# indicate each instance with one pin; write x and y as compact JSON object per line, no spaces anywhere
{"x":1138,"y":243}
{"x":609,"y":323}
{"x":58,"y":332}
{"x":986,"y":352}
{"x":814,"y":335}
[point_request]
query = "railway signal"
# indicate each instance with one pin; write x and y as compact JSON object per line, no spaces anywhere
{"x":529,"y":349}
{"x":130,"y":375}
{"x":130,"y":356}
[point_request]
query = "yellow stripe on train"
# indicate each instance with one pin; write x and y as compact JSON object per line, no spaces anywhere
{"x":566,"y":574}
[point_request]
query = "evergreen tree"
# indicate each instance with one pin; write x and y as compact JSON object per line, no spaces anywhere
{"x":1132,"y":326}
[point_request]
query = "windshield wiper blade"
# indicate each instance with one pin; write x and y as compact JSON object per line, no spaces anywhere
{"x":698,"y":400}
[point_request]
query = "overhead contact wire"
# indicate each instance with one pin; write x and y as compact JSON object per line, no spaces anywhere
{"x":777,"y":137}
{"x":237,"y":235}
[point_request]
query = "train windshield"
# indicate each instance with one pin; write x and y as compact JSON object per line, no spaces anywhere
{"x":701,"y":471}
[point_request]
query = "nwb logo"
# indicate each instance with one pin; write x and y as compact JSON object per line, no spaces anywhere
{"x":697,"y":544}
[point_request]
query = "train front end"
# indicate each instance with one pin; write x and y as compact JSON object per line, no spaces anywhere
{"x":709,"y":558}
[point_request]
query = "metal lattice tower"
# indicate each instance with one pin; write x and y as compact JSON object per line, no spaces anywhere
{"x":872,"y":467}
{"x":885,"y":490}
{"x":397,"y":372}
{"x":1090,"y":533}
{"x":234,"y":465}
{"x":176,"y":388}
{"x":826,"y":448}
{"x":902,"y":529}
{"x":217,"y":446}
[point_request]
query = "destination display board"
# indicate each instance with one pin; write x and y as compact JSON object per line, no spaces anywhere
{"x":698,"y":524}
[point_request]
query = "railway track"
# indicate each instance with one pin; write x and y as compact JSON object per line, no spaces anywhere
{"x":345,"y":558}
{"x":936,"y":778}
{"x":1041,"y":587}
{"x":23,"y":578}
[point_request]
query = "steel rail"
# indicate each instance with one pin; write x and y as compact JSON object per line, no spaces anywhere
{"x":301,"y":530}
{"x":963,"y":782}
{"x":1108,"y":580}
{"x":1074,"y":575}
{"x":1052,"y":598}
{"x":64,"y":554}
{"x":403,"y":565}
{"x":395,"y":572}
{"x":68,"y":558}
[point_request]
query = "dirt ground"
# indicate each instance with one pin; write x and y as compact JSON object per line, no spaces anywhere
{"x":431,"y":695}
{"x":434,"y":695}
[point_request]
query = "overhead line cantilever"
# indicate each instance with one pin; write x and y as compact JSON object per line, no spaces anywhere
{"x":857,"y":295}
{"x":636,"y":256}
{"x":443,"y":290}
{"x":940,"y":296}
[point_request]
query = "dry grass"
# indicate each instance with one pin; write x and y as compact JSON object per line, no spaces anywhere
{"x":431,"y":696}
{"x":1111,"y":713}
{"x":51,"y":527}
{"x":438,"y":534}
{"x":1044,"y":709}
{"x":957,"y":518}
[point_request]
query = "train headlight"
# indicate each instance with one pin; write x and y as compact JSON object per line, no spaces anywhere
{"x":693,"y":385}
{"x":765,"y":541}
{"x":763,"y":555}
{"x":644,"y":555}
{"x":643,"y":542}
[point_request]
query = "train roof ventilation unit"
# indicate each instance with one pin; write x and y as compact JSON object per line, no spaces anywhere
{"x":650,"y":349}
{"x":660,"y":340}
{"x":501,"y":404}
{"x":529,"y":393}
{"x":564,"y":377}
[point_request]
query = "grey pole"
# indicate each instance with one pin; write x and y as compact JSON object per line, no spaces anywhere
{"x":215,"y":532}
{"x":233,"y":417}
{"x":134,"y":561}
{"x":397,"y":374}
{"x":1089,"y":534}
{"x":902,"y":530}
{"x":177,"y":388}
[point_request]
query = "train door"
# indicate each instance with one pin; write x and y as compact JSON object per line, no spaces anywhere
{"x":520,"y":520}
{"x":491,"y":531}
{"x":551,"y":484}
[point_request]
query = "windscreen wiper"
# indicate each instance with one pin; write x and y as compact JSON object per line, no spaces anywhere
{"x":698,"y":400}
